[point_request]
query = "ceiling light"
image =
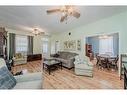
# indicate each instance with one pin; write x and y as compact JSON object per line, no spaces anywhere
{"x":37,"y":32}
{"x":104,"y":37}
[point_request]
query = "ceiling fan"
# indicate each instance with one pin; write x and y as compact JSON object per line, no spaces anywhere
{"x":66,"y":11}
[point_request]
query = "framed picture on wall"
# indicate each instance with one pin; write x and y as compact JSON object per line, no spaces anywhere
{"x":78,"y":44}
{"x":70,"y":45}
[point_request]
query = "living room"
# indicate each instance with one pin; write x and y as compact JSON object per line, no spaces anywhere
{"x":102,"y":27}
{"x":44,"y":47}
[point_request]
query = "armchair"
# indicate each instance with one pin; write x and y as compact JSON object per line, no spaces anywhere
{"x":19,"y":59}
{"x":83,"y":66}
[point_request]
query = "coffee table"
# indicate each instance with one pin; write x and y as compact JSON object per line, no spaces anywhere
{"x":49,"y":64}
{"x":48,"y":58}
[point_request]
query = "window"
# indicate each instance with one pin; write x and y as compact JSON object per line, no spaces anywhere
{"x":106,"y":45}
{"x":21,"y":44}
{"x":45,"y":45}
{"x":57,"y":46}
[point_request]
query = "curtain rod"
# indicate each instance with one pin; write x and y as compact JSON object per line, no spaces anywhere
{"x":22,"y":34}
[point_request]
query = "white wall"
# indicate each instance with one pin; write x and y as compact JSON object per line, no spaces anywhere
{"x":37,"y":45}
{"x":113,"y":24}
{"x":109,"y":25}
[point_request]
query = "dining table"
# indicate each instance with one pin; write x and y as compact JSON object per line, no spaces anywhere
{"x":107,"y":56}
{"x":107,"y":59}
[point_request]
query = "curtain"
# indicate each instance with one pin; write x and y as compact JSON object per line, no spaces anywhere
{"x":11,"y":45}
{"x":30,"y":45}
{"x":106,"y":45}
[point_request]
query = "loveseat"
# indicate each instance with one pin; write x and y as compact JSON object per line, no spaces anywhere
{"x":67,"y":58}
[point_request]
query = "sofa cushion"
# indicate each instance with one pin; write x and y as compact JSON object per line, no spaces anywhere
{"x":36,"y":84}
{"x":2,"y":63}
{"x":29,"y":77}
{"x":77,"y":60}
{"x":83,"y":72}
{"x":69,"y":56}
{"x":83,"y":66}
{"x":62,"y":55}
{"x":7,"y":81}
{"x":62,"y":60}
{"x":19,"y":59}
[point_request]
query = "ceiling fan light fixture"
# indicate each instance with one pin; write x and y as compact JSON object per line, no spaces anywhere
{"x":63,"y":8}
{"x":70,"y":10}
{"x":37,"y":32}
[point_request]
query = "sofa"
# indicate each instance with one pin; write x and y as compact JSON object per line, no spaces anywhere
{"x":67,"y":58}
{"x":26,"y":81}
{"x":83,"y":66}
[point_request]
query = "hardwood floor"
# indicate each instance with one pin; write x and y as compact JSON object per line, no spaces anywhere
{"x":34,"y":66}
{"x":66,"y":79}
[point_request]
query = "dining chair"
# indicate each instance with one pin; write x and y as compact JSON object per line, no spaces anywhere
{"x":102,"y":62}
{"x":104,"y":55}
{"x":109,"y":53}
{"x":113,"y":62}
{"x":97,"y":58}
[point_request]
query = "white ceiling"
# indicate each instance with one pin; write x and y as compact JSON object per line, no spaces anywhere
{"x":25,"y":18}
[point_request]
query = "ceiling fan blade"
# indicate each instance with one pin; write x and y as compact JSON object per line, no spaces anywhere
{"x":63,"y":18}
{"x":53,"y":11}
{"x":76,"y":14}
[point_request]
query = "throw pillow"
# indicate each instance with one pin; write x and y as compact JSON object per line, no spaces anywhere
{"x":18,"y":55}
{"x":77,"y":60}
{"x":7,"y":80}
